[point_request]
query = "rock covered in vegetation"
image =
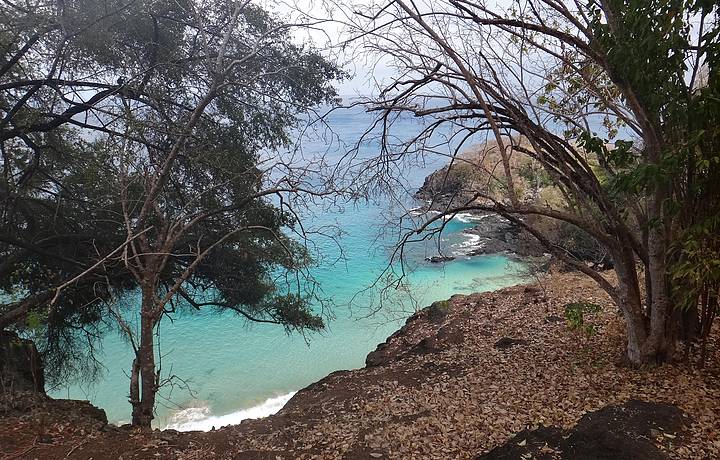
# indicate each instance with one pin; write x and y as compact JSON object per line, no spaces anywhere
{"x":20,"y":365}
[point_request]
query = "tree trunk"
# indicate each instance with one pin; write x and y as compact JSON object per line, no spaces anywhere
{"x":631,"y":306}
{"x":630,"y":302}
{"x":143,"y":410}
{"x":660,"y":346}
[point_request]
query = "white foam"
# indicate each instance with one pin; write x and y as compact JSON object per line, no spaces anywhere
{"x":471,"y":243}
{"x":465,"y":217}
{"x":468,"y":218}
{"x":472,"y":240}
{"x":200,"y":418}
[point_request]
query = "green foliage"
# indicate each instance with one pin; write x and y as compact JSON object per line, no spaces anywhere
{"x":575,"y":315}
{"x":295,"y":313}
{"x":35,"y":320}
{"x":535,"y":175}
{"x":646,"y":44}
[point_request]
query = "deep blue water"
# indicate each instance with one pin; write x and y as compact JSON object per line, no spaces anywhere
{"x":238,"y":370}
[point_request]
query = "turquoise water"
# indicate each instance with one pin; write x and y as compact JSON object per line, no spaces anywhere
{"x":237,"y":370}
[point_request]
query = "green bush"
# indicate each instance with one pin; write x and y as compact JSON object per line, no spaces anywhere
{"x":575,"y":316}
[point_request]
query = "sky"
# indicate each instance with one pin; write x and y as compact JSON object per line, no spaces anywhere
{"x":327,"y":36}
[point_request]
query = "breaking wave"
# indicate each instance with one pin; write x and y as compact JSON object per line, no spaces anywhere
{"x":471,"y":243}
{"x":200,"y":418}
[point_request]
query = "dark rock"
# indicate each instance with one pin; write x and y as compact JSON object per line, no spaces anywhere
{"x":380,"y":356}
{"x":622,"y":432}
{"x":447,"y":336}
{"x":440,"y":185}
{"x":527,"y":444}
{"x":439,"y":259}
{"x":81,"y":410}
{"x":614,"y":432}
{"x":438,"y":311}
{"x":169,"y":435}
{"x":21,"y":367}
{"x":508,"y":342}
{"x":451,"y":335}
{"x":427,"y":345}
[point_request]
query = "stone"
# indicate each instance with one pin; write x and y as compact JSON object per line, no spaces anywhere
{"x":508,"y":342}
{"x":609,"y":433}
{"x":554,"y":319}
{"x":439,"y":259}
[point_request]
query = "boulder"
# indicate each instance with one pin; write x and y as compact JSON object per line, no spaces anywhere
{"x":439,"y":259}
{"x":508,"y":342}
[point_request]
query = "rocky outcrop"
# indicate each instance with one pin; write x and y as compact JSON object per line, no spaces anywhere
{"x":424,"y":332}
{"x":20,"y":365}
{"x":498,"y":235}
{"x":439,"y":259}
{"x":441,"y":186}
{"x":631,"y":430}
{"x":451,"y":187}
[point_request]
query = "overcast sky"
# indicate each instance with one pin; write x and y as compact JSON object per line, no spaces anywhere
{"x":326,"y":37}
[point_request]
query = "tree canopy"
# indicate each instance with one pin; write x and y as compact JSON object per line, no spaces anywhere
{"x":138,"y":142}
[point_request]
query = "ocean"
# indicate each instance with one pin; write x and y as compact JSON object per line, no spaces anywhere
{"x":229,"y":370}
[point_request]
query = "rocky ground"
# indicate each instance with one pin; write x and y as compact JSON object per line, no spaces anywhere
{"x":495,"y":376}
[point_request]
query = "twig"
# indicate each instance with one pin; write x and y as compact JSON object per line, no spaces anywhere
{"x":94,"y":266}
{"x":83,"y":442}
{"x":20,"y":454}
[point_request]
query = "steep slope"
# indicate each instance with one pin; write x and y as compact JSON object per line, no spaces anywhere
{"x":459,"y":379}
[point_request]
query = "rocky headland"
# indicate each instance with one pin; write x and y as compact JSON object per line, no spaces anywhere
{"x":453,"y":186}
{"x":457,"y":186}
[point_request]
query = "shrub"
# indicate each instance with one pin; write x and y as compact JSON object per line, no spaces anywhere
{"x":575,"y":316}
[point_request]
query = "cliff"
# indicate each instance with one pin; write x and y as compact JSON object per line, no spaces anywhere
{"x":459,"y":380}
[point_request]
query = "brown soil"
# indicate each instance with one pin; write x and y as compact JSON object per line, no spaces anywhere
{"x":439,"y":388}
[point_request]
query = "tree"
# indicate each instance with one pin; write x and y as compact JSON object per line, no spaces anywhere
{"x":183,"y":107}
{"x":546,"y":80}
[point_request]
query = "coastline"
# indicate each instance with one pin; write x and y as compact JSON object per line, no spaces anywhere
{"x":459,"y":379}
{"x":475,"y":376}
